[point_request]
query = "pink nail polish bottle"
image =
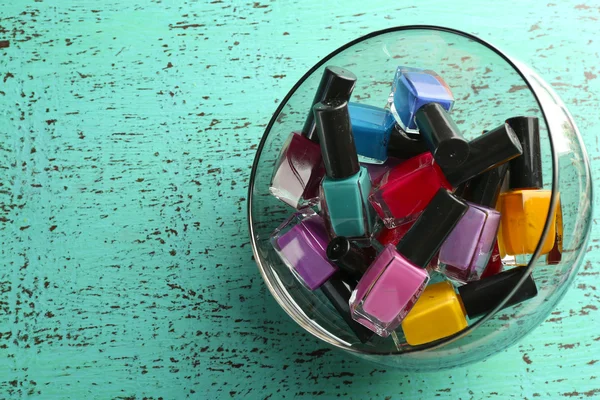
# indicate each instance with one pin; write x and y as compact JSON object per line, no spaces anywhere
{"x":397,"y":277}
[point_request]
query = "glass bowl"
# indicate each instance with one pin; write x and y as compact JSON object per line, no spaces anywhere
{"x":489,"y":87}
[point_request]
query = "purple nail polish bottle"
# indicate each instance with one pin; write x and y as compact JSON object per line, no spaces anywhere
{"x":301,"y":242}
{"x":394,"y":281}
{"x":468,"y":248}
{"x":299,"y":168}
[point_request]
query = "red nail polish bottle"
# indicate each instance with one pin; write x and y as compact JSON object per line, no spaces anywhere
{"x":392,"y":236}
{"x":405,"y":190}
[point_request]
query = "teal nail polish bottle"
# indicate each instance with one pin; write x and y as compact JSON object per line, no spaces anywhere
{"x":346,"y":186}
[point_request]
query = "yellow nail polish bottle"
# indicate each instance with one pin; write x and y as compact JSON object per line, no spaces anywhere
{"x":524,"y":215}
{"x":438,"y":313}
{"x":441,"y":311}
{"x":525,"y":207}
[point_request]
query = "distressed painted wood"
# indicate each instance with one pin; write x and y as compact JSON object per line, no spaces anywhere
{"x":127,"y":134}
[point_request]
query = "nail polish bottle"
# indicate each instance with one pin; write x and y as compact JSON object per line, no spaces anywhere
{"x":467,"y":250}
{"x":299,"y":168}
{"x":441,"y":135}
{"x":404,"y":191}
{"x":338,"y":294}
{"x":441,"y":311}
{"x":371,"y":127}
{"x":525,"y":206}
{"x":346,"y":185}
{"x":395,"y":280}
{"x":301,"y":243}
{"x":493,"y":148}
{"x":411,"y":90}
{"x":401,"y":69}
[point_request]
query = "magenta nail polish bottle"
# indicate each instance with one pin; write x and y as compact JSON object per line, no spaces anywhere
{"x":301,"y":242}
{"x":299,"y":168}
{"x":397,"y":277}
{"x":468,"y":248}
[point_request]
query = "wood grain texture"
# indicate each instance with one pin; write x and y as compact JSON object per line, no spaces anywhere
{"x":128,"y":130}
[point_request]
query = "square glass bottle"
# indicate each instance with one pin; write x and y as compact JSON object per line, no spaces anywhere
{"x":371,"y":128}
{"x":301,"y":243}
{"x":526,"y":205}
{"x":412,"y":89}
{"x":467,"y":250}
{"x":404,"y":191}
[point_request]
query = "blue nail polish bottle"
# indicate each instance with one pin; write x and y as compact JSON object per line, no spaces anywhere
{"x":371,"y":127}
{"x":346,"y":186}
{"x":413,"y":89}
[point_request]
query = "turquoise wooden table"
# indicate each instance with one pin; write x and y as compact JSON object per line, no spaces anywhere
{"x":127,"y":134}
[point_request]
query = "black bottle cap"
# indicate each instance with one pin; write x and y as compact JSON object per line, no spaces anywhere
{"x":462,"y":190}
{"x":526,"y":171}
{"x":348,"y":257}
{"x":487,"y":151}
{"x":479,"y":297}
{"x":336,"y":139}
{"x":429,"y":231}
{"x":403,"y":145}
{"x":339,"y":295}
{"x":442,"y":136}
{"x":336,"y":83}
{"x":484,"y":189}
